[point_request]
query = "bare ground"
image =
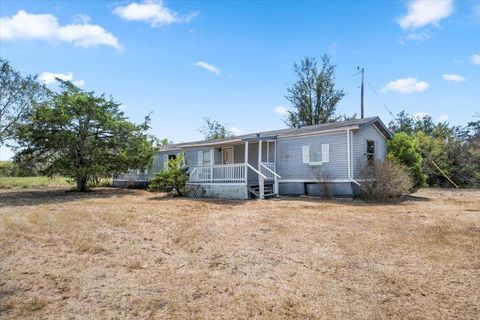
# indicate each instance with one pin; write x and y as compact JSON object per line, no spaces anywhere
{"x":123,"y":254}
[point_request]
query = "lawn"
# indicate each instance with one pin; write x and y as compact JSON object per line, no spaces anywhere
{"x":32,"y":182}
{"x":130,"y":254}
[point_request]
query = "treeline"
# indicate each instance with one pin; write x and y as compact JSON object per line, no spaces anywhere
{"x":69,"y":132}
{"x":437,"y":152}
{"x":13,"y":169}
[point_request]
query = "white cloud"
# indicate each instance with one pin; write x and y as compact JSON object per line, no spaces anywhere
{"x":24,"y":25}
{"x":406,"y":85}
{"x":235,"y":130}
{"x":281,"y":110}
{"x":79,"y":83}
{"x":152,"y":11}
{"x":419,"y":36}
{"x":49,"y":78}
{"x":420,"y":116}
{"x":81,"y":18}
{"x":207,"y":66}
{"x":453,"y":77}
{"x":476,"y":58}
{"x":443,"y":118}
{"x":425,"y":12}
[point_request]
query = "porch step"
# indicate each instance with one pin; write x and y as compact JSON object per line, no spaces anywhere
{"x":267,"y":191}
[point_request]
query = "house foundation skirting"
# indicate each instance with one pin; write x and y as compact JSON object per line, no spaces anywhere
{"x":316,"y":189}
{"x":218,"y":190}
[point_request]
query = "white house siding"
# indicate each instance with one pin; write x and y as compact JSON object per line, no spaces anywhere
{"x":359,"y":147}
{"x":127,"y":179}
{"x":290,"y":164}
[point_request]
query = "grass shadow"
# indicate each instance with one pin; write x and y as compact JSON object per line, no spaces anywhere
{"x":354,"y":201}
{"x":211,"y":201}
{"x":32,"y":197}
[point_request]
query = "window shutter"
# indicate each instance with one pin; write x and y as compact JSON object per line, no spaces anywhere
{"x":165,"y":161}
{"x":325,"y":153}
{"x":306,"y":154}
{"x":200,"y":158}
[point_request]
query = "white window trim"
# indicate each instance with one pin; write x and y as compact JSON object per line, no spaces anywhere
{"x":315,"y":163}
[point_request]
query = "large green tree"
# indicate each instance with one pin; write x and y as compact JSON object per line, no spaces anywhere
{"x":81,"y":135}
{"x":17,"y":96}
{"x":213,"y":130}
{"x":313,"y":95}
{"x":453,"y":149}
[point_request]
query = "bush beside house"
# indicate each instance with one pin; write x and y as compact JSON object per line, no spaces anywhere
{"x":384,"y":180}
{"x":173,"y":178}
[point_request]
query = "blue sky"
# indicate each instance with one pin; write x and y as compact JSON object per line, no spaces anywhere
{"x":232,"y":60}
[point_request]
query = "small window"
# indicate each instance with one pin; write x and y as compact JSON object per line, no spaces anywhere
{"x":316,"y":154}
{"x":370,"y":150}
{"x":172,"y":157}
{"x":204,"y":158}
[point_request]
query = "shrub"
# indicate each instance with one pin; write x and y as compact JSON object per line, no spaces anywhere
{"x":8,"y":169}
{"x":404,"y":150}
{"x":383,"y":180}
{"x":325,"y":180}
{"x":173,"y":178}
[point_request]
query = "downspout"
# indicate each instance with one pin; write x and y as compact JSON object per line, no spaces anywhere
{"x":349,"y":159}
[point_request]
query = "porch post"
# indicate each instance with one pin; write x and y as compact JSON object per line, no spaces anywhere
{"x":212,"y":160}
{"x":246,"y":162}
{"x":275,"y":186}
{"x":261,"y":183}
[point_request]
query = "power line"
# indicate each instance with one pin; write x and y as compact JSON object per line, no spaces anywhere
{"x":383,"y":103}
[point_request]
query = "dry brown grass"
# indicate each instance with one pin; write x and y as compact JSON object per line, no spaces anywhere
{"x":126,"y":254}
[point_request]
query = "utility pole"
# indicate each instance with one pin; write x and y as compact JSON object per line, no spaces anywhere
{"x":362,"y":112}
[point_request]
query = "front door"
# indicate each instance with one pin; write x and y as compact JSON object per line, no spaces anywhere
{"x":228,"y":155}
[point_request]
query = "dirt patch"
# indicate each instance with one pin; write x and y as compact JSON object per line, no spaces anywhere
{"x":115,"y":254}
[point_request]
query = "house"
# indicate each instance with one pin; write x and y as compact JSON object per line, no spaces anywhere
{"x":292,"y":161}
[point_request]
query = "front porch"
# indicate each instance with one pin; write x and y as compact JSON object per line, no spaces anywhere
{"x":251,"y":163}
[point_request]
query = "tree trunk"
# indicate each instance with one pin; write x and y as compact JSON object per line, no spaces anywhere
{"x":81,"y":184}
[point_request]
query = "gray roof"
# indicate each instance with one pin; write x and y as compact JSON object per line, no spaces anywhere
{"x":264,"y":135}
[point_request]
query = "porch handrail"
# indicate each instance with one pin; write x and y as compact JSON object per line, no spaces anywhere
{"x":271,"y":171}
{"x":219,"y":165}
{"x":234,"y":172}
{"x":256,"y":171}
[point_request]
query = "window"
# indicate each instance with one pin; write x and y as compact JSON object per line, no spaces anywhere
{"x":204,"y":158}
{"x":316,"y":154}
{"x":370,"y":150}
{"x":167,"y":158}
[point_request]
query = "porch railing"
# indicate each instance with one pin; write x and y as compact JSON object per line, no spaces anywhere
{"x":268,"y":173}
{"x":218,"y":173}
